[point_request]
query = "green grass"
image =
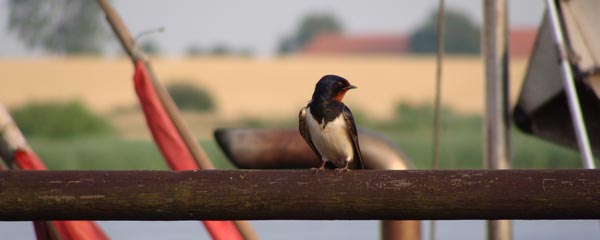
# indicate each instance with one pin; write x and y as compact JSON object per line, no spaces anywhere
{"x":411,"y":129}
{"x":60,"y":120}
{"x":461,"y":144}
{"x":110,"y":153}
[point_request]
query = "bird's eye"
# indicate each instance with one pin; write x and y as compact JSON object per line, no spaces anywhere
{"x":339,"y":83}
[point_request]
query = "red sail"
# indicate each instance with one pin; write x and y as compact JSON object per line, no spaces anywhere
{"x":171,"y":144}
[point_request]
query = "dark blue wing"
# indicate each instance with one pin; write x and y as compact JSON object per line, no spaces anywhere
{"x":351,"y":130}
{"x":304,"y":131}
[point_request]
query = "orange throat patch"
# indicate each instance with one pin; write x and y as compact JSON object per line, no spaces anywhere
{"x":340,"y":95}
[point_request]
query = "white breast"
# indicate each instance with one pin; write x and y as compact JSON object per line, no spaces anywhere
{"x":332,"y":141}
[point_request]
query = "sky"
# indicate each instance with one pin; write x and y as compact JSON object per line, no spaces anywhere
{"x":259,"y":25}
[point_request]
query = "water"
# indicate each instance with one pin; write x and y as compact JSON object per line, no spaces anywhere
{"x":347,"y":230}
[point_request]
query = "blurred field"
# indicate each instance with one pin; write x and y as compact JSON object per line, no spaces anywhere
{"x":258,"y":88}
{"x":268,"y":93}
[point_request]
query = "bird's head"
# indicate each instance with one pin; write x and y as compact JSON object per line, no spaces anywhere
{"x":332,"y":87}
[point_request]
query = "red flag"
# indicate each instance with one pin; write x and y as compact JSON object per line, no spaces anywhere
{"x":64,"y":230}
{"x":171,"y":145}
{"x":27,"y":160}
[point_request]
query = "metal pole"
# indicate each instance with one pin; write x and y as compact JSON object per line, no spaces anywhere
{"x":569,"y":83}
{"x":438,"y":86}
{"x":300,"y":194}
{"x":496,"y":124}
{"x":285,"y":149}
{"x":438,"y":98}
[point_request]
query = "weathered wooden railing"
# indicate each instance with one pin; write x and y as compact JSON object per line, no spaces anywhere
{"x":299,"y":194}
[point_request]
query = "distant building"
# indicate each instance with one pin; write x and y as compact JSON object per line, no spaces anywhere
{"x":357,"y":44}
{"x":521,"y":43}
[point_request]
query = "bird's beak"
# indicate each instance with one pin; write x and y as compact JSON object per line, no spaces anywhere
{"x":350,"y":87}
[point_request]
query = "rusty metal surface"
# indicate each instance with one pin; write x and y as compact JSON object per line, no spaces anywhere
{"x":285,"y":149}
{"x":401,"y":230}
{"x":299,"y":194}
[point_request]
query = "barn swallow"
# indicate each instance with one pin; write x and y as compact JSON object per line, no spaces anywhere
{"x":328,"y":127}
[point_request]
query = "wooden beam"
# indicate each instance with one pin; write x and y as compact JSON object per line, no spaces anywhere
{"x":299,"y":194}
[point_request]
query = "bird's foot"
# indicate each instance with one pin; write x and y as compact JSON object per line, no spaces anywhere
{"x":320,"y":169}
{"x":344,"y":169}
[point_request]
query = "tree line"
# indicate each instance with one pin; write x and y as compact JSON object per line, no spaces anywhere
{"x":78,"y":27}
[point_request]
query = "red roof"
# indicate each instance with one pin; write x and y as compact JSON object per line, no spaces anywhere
{"x":356,"y":44}
{"x":521,"y":41}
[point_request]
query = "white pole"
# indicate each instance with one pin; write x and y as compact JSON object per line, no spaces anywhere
{"x":496,"y":125}
{"x":569,"y":83}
